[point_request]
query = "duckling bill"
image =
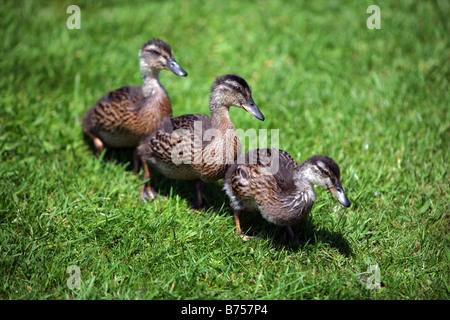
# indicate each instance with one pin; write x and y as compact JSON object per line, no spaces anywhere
{"x":284,"y":196}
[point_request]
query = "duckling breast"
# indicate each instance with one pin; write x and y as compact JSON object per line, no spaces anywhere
{"x":172,"y":171}
{"x":119,"y":139}
{"x":287,"y":211}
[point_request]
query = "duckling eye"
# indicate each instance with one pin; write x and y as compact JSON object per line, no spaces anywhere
{"x":232,"y":86}
{"x":323,"y":171}
{"x":153,"y":51}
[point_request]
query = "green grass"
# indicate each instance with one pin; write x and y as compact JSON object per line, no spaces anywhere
{"x":376,"y":101}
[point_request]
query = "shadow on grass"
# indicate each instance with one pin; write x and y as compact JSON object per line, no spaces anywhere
{"x":121,"y":156}
{"x":213,"y":195}
{"x":253,"y":224}
{"x":214,"y":199}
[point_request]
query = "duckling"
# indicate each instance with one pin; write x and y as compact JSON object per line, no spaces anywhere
{"x":124,"y":116}
{"x":196,"y":146}
{"x":270,"y":181}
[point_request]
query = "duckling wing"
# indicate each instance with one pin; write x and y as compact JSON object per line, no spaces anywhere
{"x":192,"y":122}
{"x":118,"y":102}
{"x":193,"y":125}
{"x":107,"y":112}
{"x":250,"y":179}
{"x":261,"y":188}
{"x":285,"y":175}
{"x":124,"y":96}
{"x":237,"y":177}
{"x":270,"y":169}
{"x":274,"y":162}
{"x":175,"y":137}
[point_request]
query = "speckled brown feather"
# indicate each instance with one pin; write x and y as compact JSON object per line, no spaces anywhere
{"x":284,"y":194}
{"x":180,"y":150}
{"x":124,"y":116}
{"x":193,"y":165}
{"x":250,"y":181}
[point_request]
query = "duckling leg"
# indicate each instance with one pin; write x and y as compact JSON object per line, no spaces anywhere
{"x":291,"y":237}
{"x":136,"y":162}
{"x":97,"y":142}
{"x":147,"y":192}
{"x":237,"y":221}
{"x":198,"y":203}
{"x":290,"y":234}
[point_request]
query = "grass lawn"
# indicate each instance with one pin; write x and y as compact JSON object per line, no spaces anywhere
{"x":375,"y":100}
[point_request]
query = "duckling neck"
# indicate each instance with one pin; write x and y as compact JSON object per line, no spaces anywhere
{"x":299,"y":201}
{"x":151,"y":85}
{"x":304,"y":185}
{"x":151,"y":80}
{"x":220,"y":118}
{"x":306,"y":174}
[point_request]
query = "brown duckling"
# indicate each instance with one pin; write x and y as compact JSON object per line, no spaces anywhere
{"x":124,"y":116}
{"x":271,"y":182}
{"x":198,"y":147}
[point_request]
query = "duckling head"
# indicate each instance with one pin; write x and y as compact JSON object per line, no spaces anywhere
{"x":324,"y":172}
{"x":232,"y":90}
{"x":156,"y":55}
